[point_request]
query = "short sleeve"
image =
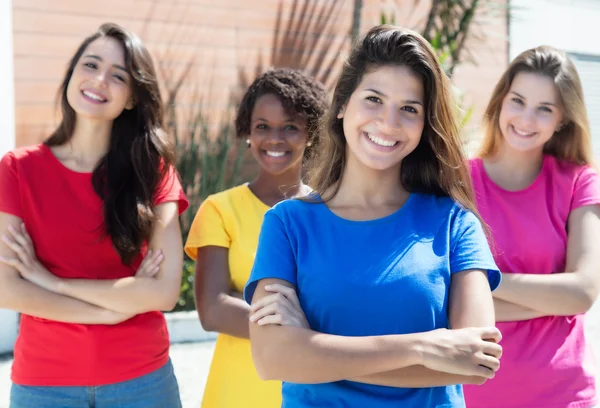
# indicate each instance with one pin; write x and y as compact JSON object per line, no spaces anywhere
{"x":274,"y":256}
{"x":9,"y":186}
{"x":587,"y":188}
{"x":208,"y":228}
{"x":470,"y":248}
{"x":170,"y":189}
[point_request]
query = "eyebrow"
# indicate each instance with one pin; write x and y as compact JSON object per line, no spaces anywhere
{"x":96,"y":57}
{"x":409,"y":101}
{"x":542,"y":103}
{"x":266,"y":120}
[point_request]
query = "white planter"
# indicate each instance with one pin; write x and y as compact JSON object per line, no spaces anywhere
{"x":9,"y":327}
{"x":185,"y":327}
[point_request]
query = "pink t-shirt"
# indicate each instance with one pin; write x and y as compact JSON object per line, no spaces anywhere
{"x":546,"y":362}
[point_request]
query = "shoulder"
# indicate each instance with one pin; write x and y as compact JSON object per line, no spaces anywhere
{"x":231,"y":195}
{"x":567,"y":171}
{"x":295,"y":208}
{"x":26,"y":155}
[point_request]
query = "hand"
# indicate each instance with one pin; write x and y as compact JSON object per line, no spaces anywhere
{"x":469,"y":352}
{"x":150,"y":264}
{"x":282,"y":308}
{"x":26,"y":262}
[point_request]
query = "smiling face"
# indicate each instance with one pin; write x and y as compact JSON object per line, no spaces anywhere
{"x":531,"y":112}
{"x":384,"y":118}
{"x":100,"y":86}
{"x":277,"y":140}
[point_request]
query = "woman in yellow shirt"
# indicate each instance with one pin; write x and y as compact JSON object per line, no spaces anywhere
{"x":279,"y":117}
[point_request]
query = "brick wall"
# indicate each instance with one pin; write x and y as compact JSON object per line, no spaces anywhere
{"x":226,"y":42}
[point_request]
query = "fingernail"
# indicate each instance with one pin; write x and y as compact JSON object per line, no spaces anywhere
{"x":268,"y":287}
{"x":11,"y":228}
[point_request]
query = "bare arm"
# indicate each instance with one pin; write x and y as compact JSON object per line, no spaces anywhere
{"x":569,"y":293}
{"x":302,"y":355}
{"x":470,"y":305}
{"x":512,"y":312}
{"x":25,"y":297}
{"x":133,"y":295}
{"x":218,"y":309}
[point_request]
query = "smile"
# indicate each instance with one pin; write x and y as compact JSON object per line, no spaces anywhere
{"x":521,"y":132}
{"x":271,"y":153}
{"x":94,"y":96}
{"x":380,"y":141}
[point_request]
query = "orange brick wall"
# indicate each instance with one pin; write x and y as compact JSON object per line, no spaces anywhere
{"x":224,"y":40}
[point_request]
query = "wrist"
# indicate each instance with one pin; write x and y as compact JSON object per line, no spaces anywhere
{"x":412,"y":347}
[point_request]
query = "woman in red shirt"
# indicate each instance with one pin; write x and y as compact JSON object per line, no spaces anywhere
{"x":93,"y":249}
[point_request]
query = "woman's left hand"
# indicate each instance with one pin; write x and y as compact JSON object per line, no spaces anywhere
{"x":26,"y":262}
{"x":282,"y":308}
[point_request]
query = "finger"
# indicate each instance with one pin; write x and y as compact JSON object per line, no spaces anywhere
{"x":485,"y":372}
{"x":266,"y":301}
{"x":265,"y":311}
{"x":18,"y":237}
{"x":26,"y":234}
{"x":271,"y":319}
{"x":493,"y":349}
{"x":15,"y":263}
{"x":288,"y":292}
{"x":16,"y":249}
{"x":490,"y":362}
{"x":490,"y":334}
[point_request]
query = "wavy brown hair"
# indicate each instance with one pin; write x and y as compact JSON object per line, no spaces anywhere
{"x":139,"y":154}
{"x":573,"y":142}
{"x":437,"y":165}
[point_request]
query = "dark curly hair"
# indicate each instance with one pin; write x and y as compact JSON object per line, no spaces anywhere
{"x":298,"y":92}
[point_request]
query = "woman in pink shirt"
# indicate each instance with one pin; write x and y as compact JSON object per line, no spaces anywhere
{"x":539,"y":194}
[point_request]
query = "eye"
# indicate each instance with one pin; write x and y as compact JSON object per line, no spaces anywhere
{"x":518,"y":101}
{"x":119,"y":77}
{"x":261,"y":126}
{"x":91,"y":65}
{"x":374,"y":99}
{"x":545,"y":109}
{"x":290,"y":128}
{"x":409,"y":109}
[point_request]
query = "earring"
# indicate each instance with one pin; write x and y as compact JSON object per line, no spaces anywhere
{"x":560,"y":127}
{"x":248,"y":143}
{"x":308,"y":144}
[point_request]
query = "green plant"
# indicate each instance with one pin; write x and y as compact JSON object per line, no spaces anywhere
{"x":186,"y":295}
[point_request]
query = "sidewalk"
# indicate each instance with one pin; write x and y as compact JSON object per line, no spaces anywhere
{"x":192,"y":360}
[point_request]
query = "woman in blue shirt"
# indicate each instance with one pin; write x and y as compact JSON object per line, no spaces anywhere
{"x":388,"y":257}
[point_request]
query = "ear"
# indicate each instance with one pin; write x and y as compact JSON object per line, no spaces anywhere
{"x":340,"y":114}
{"x":130,"y":103}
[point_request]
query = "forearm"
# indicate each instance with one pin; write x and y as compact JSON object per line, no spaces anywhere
{"x":304,"y":356}
{"x":228,"y":315}
{"x":417,"y":376}
{"x":512,"y":312}
{"x":131,"y":295}
{"x":27,"y":298}
{"x":557,"y":294}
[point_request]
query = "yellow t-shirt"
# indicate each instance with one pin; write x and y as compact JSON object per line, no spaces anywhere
{"x":232,"y":219}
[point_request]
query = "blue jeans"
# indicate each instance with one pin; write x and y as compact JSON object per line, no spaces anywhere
{"x":158,"y":389}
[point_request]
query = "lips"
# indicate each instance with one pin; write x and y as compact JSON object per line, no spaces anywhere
{"x":522,"y":132}
{"x":94,"y":96}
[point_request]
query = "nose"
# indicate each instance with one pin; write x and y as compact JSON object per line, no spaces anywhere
{"x":528,"y":116}
{"x":276,"y":135}
{"x":390,"y":117}
{"x":101,"y":78}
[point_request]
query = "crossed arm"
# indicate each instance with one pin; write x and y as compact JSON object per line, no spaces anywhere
{"x":526,"y":296}
{"x":298,"y":354}
{"x":29,"y":288}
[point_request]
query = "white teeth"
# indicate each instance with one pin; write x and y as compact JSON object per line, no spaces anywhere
{"x":275,"y":154}
{"x":521,"y":133}
{"x":381,"y":142}
{"x":94,"y":96}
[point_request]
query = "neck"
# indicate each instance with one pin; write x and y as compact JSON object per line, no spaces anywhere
{"x":90,"y":141}
{"x":272,"y":188}
{"x":363,"y":186}
{"x":514,"y":169}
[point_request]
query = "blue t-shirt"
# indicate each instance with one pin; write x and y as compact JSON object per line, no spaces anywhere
{"x":366,"y":278}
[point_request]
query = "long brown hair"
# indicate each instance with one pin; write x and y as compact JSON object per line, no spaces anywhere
{"x":573,"y":142}
{"x":139,"y":154}
{"x":437,"y":165}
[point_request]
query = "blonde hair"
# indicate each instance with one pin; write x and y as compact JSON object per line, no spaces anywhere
{"x":437,"y":165}
{"x":573,"y":142}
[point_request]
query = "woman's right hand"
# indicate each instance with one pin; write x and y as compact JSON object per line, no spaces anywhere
{"x":150,"y":265}
{"x":468,"y":351}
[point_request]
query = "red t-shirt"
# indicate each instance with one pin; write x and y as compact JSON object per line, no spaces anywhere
{"x":63,"y":215}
